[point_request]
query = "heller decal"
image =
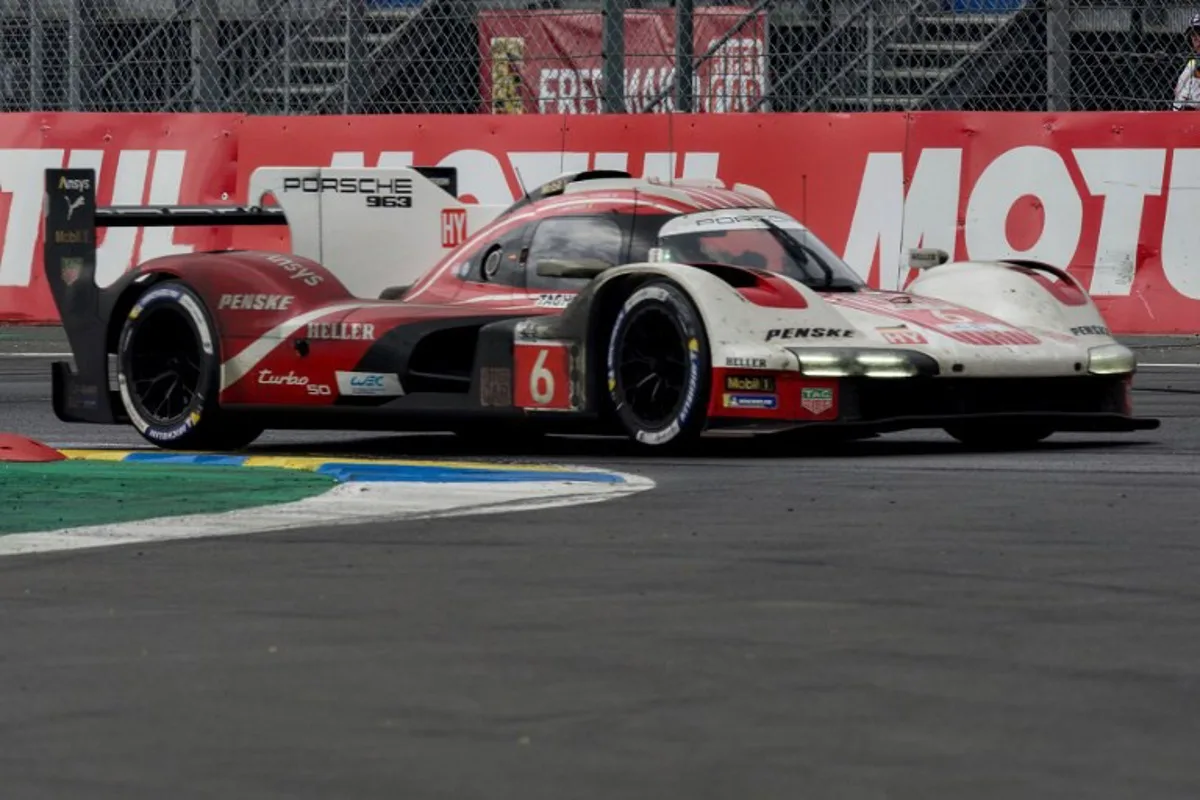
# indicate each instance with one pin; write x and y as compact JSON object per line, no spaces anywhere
{"x":342,"y":331}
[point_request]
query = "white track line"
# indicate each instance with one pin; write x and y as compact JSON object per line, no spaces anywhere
{"x":1169,"y":366}
{"x":345,"y":504}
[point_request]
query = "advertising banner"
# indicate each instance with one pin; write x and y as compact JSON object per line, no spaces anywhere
{"x":549,"y":62}
{"x":139,"y":159}
{"x":1108,"y":196}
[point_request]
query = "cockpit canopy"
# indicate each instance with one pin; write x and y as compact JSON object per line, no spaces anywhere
{"x":766,"y":239}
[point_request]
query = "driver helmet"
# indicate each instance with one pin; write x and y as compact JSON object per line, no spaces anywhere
{"x":687,"y":249}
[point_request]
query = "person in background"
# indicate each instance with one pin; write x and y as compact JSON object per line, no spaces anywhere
{"x":1187,"y":88}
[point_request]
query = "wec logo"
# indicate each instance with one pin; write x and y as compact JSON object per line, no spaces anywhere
{"x":369,"y":384}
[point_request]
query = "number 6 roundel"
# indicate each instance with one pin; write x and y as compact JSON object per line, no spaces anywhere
{"x":542,"y":375}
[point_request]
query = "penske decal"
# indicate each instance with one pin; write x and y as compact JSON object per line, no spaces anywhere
{"x":255,"y":302}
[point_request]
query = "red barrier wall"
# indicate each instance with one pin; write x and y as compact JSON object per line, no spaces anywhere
{"x":1112,"y":197}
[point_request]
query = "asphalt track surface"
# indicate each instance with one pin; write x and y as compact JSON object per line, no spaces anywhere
{"x":893,"y":619}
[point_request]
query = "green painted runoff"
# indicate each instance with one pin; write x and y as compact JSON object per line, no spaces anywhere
{"x":69,"y":494}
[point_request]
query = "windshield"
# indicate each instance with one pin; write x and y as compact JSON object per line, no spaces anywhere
{"x":761,"y":238}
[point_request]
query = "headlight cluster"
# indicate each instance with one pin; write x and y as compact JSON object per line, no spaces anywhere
{"x":1111,"y":359}
{"x":862,"y":363}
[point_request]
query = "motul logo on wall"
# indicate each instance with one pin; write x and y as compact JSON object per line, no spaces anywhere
{"x":1035,"y":203}
{"x":1109,"y":196}
{"x":139,"y":177}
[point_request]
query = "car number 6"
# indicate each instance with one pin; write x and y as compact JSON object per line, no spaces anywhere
{"x":539,"y":376}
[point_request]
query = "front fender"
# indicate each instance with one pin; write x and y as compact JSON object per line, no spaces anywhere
{"x":743,"y":321}
{"x":1026,"y":294}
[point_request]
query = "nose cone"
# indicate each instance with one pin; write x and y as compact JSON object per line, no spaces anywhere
{"x":971,"y":344}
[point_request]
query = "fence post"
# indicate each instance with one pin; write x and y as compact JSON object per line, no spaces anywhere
{"x":206,"y":80}
{"x":1058,"y":55}
{"x":614,"y":56}
{"x":75,"y":24}
{"x":684,"y":46}
{"x":356,"y":84}
{"x":37,"y":67}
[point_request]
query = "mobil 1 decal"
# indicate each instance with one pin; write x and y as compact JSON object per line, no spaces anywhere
{"x":960,"y":324}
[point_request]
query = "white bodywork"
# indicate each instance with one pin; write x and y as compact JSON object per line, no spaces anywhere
{"x":975,"y":319}
{"x":372,"y":248}
{"x":368,"y":248}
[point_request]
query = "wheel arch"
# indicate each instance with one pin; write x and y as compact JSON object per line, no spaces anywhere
{"x":125,"y":302}
{"x":716,"y":301}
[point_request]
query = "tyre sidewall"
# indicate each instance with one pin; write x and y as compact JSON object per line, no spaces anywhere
{"x":178,"y":298}
{"x":690,"y":417}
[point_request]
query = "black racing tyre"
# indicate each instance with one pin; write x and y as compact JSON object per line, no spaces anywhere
{"x":999,"y":435}
{"x":659,"y":366}
{"x":169,"y":373}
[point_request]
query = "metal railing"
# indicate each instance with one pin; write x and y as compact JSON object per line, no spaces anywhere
{"x":588,"y":56}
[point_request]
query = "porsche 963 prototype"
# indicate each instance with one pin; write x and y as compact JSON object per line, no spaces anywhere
{"x":596,"y":303}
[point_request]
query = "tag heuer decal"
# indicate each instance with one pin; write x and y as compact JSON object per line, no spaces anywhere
{"x":816,"y":401}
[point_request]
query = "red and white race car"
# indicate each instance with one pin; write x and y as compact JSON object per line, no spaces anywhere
{"x":597,"y":303}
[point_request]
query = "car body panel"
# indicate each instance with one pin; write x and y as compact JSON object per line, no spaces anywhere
{"x":477,"y":330}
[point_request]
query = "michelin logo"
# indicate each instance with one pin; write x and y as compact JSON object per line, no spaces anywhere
{"x":369,"y":384}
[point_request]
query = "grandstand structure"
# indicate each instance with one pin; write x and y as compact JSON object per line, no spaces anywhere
{"x":308,"y":57}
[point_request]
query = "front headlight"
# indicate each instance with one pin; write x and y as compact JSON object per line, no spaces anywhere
{"x":858,"y":363}
{"x":1111,"y":359}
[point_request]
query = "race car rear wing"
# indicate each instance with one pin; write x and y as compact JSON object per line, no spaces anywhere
{"x":372,"y":227}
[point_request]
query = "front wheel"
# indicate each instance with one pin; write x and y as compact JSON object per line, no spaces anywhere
{"x":999,"y":435}
{"x":169,"y":375}
{"x":659,"y":366}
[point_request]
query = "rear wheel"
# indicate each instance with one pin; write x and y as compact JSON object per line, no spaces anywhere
{"x":169,"y":375}
{"x":999,"y":435}
{"x":658,"y":366}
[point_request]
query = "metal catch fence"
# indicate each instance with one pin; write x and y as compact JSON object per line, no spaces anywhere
{"x":308,"y":57}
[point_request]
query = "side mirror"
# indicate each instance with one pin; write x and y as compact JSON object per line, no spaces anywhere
{"x":575,"y":268}
{"x":926,"y":258}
